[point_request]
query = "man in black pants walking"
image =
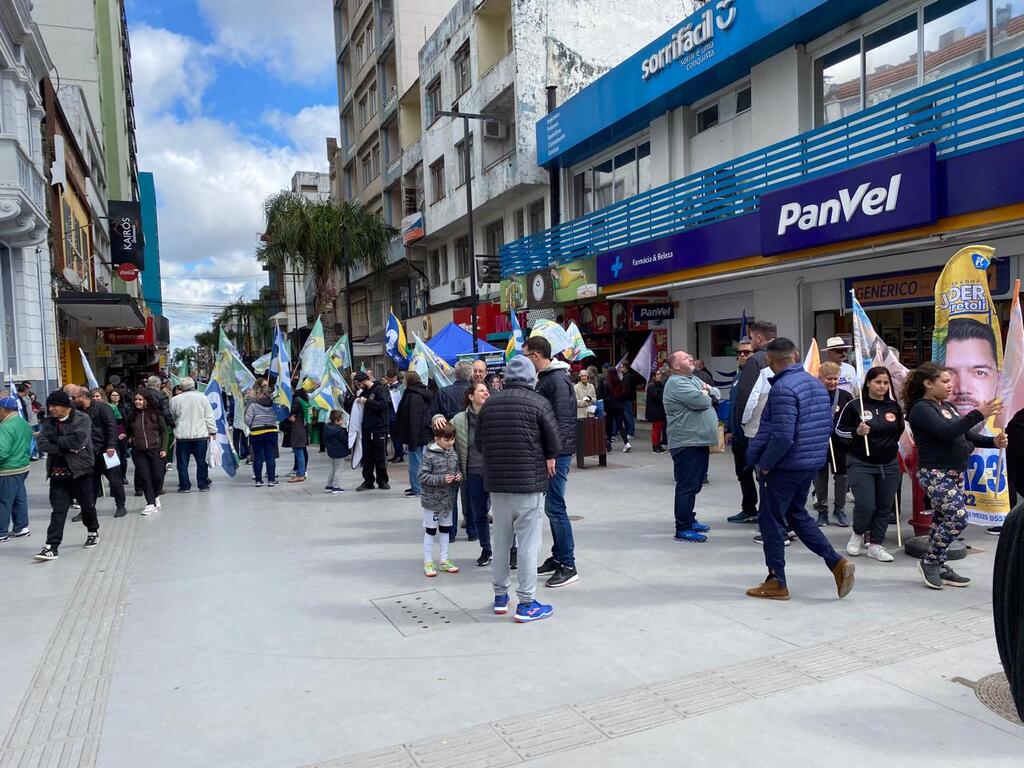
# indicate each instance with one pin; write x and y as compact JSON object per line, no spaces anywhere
{"x":375,"y":430}
{"x":104,"y":441}
{"x":66,"y":438}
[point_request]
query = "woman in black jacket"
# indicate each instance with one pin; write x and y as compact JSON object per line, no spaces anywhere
{"x":298,"y":437}
{"x":944,"y":444}
{"x":655,"y":412}
{"x":412,"y":425}
{"x":871,"y":438}
{"x":615,"y":409}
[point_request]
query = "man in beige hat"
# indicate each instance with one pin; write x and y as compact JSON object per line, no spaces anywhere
{"x":835,"y":351}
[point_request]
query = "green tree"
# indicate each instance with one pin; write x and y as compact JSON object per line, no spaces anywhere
{"x":310,"y":237}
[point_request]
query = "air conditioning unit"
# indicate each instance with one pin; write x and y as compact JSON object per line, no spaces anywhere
{"x":494,"y":130}
{"x":459,"y":286}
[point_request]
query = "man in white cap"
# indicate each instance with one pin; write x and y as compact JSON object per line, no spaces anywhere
{"x":835,"y":350}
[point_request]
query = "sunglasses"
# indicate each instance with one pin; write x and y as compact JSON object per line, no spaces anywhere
{"x":744,"y":352}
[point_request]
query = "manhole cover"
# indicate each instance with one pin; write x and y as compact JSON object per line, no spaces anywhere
{"x":994,"y":692}
{"x":419,"y":612}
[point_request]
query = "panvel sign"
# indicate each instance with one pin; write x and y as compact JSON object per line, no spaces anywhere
{"x":887,"y":195}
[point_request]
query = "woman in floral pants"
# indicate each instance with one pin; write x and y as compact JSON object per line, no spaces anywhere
{"x":944,"y":441}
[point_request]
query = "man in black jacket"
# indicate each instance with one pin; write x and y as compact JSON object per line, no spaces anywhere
{"x":554,"y":384}
{"x":518,"y":435}
{"x":752,"y":377}
{"x":374,"y":430}
{"x":104,"y":443}
{"x":66,"y":439}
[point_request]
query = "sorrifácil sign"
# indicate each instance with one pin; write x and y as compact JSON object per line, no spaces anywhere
{"x":691,"y":39}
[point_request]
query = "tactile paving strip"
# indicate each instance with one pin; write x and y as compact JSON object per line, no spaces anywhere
{"x":60,"y":719}
{"x":418,"y":612}
{"x":518,"y":739}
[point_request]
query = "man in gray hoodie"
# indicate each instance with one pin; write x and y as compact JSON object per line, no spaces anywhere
{"x":554,"y":384}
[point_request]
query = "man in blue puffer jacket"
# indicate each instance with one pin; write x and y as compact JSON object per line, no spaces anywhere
{"x":788,"y":449}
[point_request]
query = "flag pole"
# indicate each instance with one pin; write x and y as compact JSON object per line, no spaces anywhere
{"x":899,"y":522}
{"x":860,"y":364}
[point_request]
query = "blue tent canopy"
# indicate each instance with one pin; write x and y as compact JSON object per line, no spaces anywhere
{"x":452,"y":341}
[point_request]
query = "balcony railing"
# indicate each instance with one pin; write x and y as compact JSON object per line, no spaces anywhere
{"x":964,"y":112}
{"x":390,"y":100}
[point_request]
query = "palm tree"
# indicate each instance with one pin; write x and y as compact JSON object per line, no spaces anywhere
{"x":323,"y":239}
{"x":251,"y":329}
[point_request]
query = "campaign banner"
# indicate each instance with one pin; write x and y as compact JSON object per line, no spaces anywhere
{"x":967,"y":340}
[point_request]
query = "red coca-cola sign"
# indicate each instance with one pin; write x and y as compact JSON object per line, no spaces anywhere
{"x":127,"y":272}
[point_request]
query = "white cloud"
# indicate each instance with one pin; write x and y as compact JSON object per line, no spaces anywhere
{"x":211,"y":177}
{"x":294,"y":41}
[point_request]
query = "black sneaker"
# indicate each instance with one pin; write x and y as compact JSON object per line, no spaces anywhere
{"x":138,"y":493}
{"x":823,"y":519}
{"x":994,"y":531}
{"x":563,"y":577}
{"x":77,"y":518}
{"x":409,"y":493}
{"x":549,"y":566}
{"x":92,"y":540}
{"x":365,"y":487}
{"x":951,"y":578}
{"x":120,"y":512}
{"x":786,"y":541}
{"x":485,"y":558}
{"x":184,"y":490}
{"x":742,"y":517}
{"x":271,"y":483}
{"x":931,"y":573}
{"x":47,"y":553}
{"x":4,"y":537}
{"x":258,"y":483}
{"x":513,"y":559}
{"x":385,"y":486}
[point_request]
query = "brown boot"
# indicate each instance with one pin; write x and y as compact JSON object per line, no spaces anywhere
{"x":843,"y":573}
{"x":769,"y":590}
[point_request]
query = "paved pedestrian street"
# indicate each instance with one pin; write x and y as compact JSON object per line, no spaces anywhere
{"x":283,"y":628}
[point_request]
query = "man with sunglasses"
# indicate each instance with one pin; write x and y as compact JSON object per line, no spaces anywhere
{"x":745,"y":474}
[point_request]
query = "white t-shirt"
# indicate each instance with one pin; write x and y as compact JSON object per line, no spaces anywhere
{"x":848,"y":378}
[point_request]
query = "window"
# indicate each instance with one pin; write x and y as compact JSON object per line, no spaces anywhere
{"x":707,"y":118}
{"x":1006,"y":26}
{"x":366,"y":169}
{"x":890,"y":61}
{"x":368,"y":38}
{"x":604,"y":194}
{"x":536,"y":215}
{"x":519,"y":221}
{"x":463,"y":75}
{"x":743,"y":100}
{"x":460,"y":149}
{"x":375,"y":161}
{"x":643,"y":167}
{"x":371,"y":97}
{"x":437,"y":180}
{"x":10,"y":316}
{"x":433,"y":100}
{"x":954,"y":36}
{"x":625,"y":174}
{"x":494,"y":237}
{"x":583,"y":193}
{"x":437,"y":265}
{"x":364,"y":111}
{"x":837,"y":77}
{"x":462,"y":261}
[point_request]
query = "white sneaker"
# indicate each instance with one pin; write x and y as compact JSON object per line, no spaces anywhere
{"x":855,"y":546}
{"x":149,"y":509}
{"x":157,"y":505}
{"x":879,"y":553}
{"x":626,"y":448}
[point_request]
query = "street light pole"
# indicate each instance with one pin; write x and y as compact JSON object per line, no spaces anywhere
{"x":467,"y":169}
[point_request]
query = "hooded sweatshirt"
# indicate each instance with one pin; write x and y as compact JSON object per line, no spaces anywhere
{"x":260,"y":417}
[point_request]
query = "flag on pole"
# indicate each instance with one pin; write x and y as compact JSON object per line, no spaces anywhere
{"x":869,"y":349}
{"x":1011,"y":380}
{"x":312,"y":357}
{"x":228,"y":461}
{"x":515,"y":339}
{"x":183,"y":369}
{"x":812,"y":360}
{"x":330,"y":395}
{"x":262,"y":363}
{"x":743,"y":325}
{"x":21,"y":405}
{"x":623,"y":361}
{"x":579,"y":349}
{"x":341,"y":353}
{"x":90,"y":377}
{"x":428,"y":365}
{"x":394,"y":340}
{"x":644,"y":361}
{"x":282,"y":396}
{"x":554,"y":333}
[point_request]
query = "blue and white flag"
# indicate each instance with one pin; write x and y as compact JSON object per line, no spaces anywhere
{"x":228,"y":461}
{"x":281,"y":365}
{"x":394,"y":341}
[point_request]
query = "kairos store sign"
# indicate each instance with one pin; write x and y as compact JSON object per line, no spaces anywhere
{"x":694,"y":42}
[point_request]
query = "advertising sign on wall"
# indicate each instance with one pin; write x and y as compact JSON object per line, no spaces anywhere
{"x":513,"y":293}
{"x":575,"y":280}
{"x":126,"y":240}
{"x":539,"y":291}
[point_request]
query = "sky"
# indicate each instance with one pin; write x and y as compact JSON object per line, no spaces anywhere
{"x":231,"y":98}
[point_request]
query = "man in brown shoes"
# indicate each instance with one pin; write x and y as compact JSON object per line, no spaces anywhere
{"x":787,"y":451}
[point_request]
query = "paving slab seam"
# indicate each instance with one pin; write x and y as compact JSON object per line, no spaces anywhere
{"x":60,"y":719}
{"x":526,"y":737}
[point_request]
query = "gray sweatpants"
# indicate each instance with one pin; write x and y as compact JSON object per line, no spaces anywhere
{"x":874,"y":489}
{"x":334,"y":473}
{"x":521,"y":514}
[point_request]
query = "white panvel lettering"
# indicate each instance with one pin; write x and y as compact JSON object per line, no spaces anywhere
{"x":868,"y":200}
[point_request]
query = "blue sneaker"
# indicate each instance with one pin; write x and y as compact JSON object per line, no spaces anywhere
{"x":691,"y":536}
{"x":700,"y":527}
{"x":534,"y":611}
{"x":501,"y":604}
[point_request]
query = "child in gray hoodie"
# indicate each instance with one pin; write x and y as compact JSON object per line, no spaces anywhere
{"x":439,"y":476}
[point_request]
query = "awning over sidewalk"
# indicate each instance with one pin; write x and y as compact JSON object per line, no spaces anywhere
{"x":102,"y":310}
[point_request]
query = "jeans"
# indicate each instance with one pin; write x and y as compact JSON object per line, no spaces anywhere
{"x":689,"y":465}
{"x":470,"y":521}
{"x":517,"y":516}
{"x":14,"y":502}
{"x":874,"y":490}
{"x":150,"y":469}
{"x":398,"y":447}
{"x":300,"y":461}
{"x":615,"y":421}
{"x":114,"y":479}
{"x":783,"y":506}
{"x":62,"y":492}
{"x":184,"y":449}
{"x":476,"y":508}
{"x":745,"y":474}
{"x":415,"y":458}
{"x":628,"y":415}
{"x":264,"y":449}
{"x":563,"y":549}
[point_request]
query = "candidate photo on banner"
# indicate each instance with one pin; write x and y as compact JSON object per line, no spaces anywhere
{"x":967,"y":340}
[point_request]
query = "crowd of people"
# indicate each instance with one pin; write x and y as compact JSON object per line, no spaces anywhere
{"x":500,"y":446}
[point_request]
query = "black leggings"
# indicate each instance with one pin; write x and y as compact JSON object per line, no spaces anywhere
{"x":150,"y":469}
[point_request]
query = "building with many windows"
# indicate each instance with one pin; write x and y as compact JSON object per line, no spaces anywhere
{"x":766,"y":159}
